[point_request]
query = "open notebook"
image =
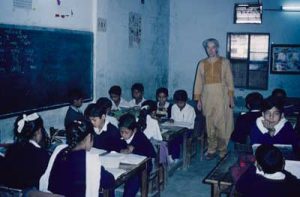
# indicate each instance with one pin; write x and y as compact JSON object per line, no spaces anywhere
{"x":177,"y":124}
{"x":293,"y":167}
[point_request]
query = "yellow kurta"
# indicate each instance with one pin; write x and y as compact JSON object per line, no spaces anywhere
{"x":214,"y":85}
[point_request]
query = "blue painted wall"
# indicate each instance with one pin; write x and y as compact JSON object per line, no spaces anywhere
{"x":114,"y":61}
{"x":192,"y":21}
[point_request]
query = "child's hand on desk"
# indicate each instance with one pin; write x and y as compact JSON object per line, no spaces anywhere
{"x":128,"y":150}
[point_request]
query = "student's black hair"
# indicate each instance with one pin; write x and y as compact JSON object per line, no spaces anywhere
{"x":271,"y":102}
{"x":76,"y":132}
{"x":278,"y":92}
{"x":137,"y":86}
{"x":75,"y":94}
{"x":93,"y":110}
{"x":128,"y":121}
{"x":29,"y":128}
{"x":148,"y":107}
{"x":269,"y":158}
{"x":162,"y":90}
{"x":180,"y":95}
{"x":254,"y":100}
{"x":115,"y":90}
{"x":104,"y":102}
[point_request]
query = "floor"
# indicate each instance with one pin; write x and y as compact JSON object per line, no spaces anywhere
{"x":189,"y":183}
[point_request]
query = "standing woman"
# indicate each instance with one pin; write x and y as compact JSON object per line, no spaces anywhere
{"x":213,"y":91}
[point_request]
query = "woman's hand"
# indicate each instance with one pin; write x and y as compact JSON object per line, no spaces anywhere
{"x":199,"y":105}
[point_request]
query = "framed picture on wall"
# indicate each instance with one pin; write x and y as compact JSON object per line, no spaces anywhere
{"x":285,"y":59}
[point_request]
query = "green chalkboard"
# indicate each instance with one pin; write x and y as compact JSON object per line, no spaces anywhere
{"x":39,"y":66}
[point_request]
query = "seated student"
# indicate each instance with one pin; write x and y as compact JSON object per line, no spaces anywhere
{"x":245,"y":121}
{"x":268,"y":177}
{"x":115,"y":93}
{"x":181,"y":111}
{"x":163,"y":106}
{"x":107,"y":136}
{"x":105,"y":103}
{"x":137,"y":92}
{"x":26,"y":160}
{"x":149,"y":125}
{"x":137,"y":143}
{"x":272,"y":127}
{"x":281,"y":95}
{"x":73,"y":170}
{"x":74,"y":112}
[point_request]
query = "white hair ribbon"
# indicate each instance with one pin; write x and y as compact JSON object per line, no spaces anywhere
{"x":26,"y":118}
{"x":145,"y":107}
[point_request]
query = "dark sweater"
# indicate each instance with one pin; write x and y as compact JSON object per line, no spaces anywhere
{"x":243,"y":126}
{"x":68,"y":176}
{"x":72,"y":115}
{"x":24,"y":165}
{"x":285,"y":136}
{"x":109,"y":140}
{"x":251,"y":184}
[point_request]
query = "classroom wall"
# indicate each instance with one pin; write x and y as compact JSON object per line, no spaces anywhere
{"x":114,"y":61}
{"x":192,"y":21}
{"x":119,"y":64}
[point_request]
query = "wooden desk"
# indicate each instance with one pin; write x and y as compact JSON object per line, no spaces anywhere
{"x":173,"y":132}
{"x":220,"y":177}
{"x":118,"y":113}
{"x":132,"y":170}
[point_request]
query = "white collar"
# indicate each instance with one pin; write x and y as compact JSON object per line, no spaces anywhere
{"x":75,"y":109}
{"x":140,"y":103}
{"x":274,"y":176}
{"x":255,"y":110}
{"x":165,"y":106}
{"x":277,"y":127}
{"x":104,"y":128}
{"x":130,"y":139}
{"x":34,"y":143}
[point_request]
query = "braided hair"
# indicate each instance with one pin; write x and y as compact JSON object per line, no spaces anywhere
{"x":76,"y":132}
{"x":148,"y":107}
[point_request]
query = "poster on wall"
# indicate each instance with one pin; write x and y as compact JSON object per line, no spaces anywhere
{"x":285,"y":59}
{"x":135,"y":30}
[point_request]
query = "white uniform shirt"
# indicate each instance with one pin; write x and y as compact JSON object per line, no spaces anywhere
{"x":113,"y":120}
{"x":152,"y":130}
{"x":133,"y":104}
{"x":187,"y":114}
{"x":123,"y":103}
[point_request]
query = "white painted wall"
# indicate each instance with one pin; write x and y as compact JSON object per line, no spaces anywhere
{"x":192,"y":21}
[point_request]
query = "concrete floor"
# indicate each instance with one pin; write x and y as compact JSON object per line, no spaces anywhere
{"x":189,"y":183}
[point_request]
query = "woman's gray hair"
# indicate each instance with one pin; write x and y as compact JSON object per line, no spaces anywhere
{"x":213,"y":40}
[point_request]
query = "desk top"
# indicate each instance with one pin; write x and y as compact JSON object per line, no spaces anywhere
{"x":171,"y":132}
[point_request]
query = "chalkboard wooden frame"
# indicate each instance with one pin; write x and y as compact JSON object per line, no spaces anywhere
{"x":39,"y":66}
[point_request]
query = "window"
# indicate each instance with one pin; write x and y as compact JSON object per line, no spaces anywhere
{"x":249,"y":57}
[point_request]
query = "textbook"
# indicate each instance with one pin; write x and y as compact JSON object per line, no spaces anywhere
{"x":293,"y":167}
{"x":97,"y":151}
{"x":113,"y":159}
{"x":177,"y":124}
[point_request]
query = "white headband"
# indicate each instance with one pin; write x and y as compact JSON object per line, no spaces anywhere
{"x":26,"y":118}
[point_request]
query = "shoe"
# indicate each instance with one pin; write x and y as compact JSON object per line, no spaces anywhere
{"x":210,"y":156}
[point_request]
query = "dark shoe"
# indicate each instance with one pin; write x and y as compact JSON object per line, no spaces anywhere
{"x":210,"y":156}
